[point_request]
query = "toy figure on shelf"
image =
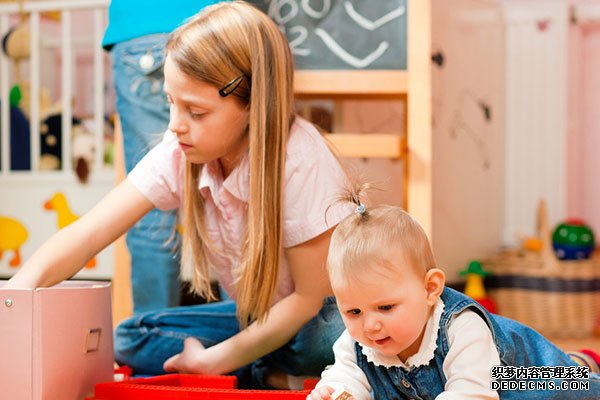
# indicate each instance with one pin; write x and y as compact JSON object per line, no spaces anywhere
{"x":474,"y":287}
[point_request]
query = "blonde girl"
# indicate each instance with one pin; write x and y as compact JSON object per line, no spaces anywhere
{"x":252,"y":182}
{"x":410,"y":337}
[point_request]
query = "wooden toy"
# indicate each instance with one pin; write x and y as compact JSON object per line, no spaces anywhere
{"x":341,"y":394}
{"x":474,"y":287}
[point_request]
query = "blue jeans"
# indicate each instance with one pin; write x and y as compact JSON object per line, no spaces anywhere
{"x":144,"y":342}
{"x":144,"y":115}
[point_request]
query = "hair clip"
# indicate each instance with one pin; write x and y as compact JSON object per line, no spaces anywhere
{"x":231,"y":86}
{"x":360,"y":209}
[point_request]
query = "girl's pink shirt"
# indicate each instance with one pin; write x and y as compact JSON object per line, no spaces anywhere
{"x":313,"y":180}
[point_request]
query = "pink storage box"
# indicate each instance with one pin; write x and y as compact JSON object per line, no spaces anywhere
{"x":55,"y":343}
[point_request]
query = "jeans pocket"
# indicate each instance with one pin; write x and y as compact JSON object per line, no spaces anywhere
{"x":134,"y":55}
{"x":138,"y":68}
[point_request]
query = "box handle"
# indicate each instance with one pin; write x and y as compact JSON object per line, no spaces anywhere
{"x":92,"y":340}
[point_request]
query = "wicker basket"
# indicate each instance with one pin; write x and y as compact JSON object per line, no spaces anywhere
{"x":555,"y":297}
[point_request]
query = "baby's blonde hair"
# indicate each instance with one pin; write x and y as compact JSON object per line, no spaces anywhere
{"x":231,"y":42}
{"x":364,"y":239}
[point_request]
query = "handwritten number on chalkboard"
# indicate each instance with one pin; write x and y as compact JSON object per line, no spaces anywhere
{"x":298,"y":40}
{"x":372,"y":25}
{"x":285,"y":12}
{"x":314,"y":13}
{"x":347,"y":57}
{"x":275,"y":11}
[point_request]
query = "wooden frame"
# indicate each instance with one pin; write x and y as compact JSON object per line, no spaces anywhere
{"x":414,"y":85}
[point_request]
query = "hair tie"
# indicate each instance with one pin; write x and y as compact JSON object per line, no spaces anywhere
{"x":360,"y":209}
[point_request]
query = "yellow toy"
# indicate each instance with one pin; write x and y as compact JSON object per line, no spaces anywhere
{"x":12,"y":236}
{"x":474,"y":286}
{"x":64,"y":215}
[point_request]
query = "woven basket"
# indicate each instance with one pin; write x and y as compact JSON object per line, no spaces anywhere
{"x":555,"y":297}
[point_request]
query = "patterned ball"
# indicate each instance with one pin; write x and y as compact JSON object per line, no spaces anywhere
{"x":573,"y":240}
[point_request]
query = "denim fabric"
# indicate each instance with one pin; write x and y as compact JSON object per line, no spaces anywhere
{"x":144,"y":115}
{"x":517,"y":344}
{"x":144,"y":342}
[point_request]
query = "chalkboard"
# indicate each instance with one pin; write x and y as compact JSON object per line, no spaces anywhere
{"x":342,"y":34}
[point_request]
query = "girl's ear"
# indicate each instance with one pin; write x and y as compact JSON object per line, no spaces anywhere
{"x":435,"y":280}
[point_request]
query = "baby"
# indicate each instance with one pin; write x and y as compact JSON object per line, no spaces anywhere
{"x":409,"y":336}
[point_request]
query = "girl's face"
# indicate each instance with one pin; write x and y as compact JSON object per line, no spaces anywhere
{"x":387,"y":307}
{"x":208,"y":126}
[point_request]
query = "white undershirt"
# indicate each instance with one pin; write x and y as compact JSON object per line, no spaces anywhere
{"x":472,"y":352}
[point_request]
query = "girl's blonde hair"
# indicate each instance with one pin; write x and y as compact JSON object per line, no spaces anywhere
{"x":225,"y":42}
{"x":364,"y":239}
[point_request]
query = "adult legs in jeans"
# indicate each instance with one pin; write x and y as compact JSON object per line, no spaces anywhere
{"x":144,"y":115}
{"x":145,"y":342}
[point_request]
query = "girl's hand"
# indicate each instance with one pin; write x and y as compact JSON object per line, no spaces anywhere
{"x":192,"y":360}
{"x":325,"y":393}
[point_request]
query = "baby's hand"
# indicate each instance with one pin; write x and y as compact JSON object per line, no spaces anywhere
{"x":328,"y":393}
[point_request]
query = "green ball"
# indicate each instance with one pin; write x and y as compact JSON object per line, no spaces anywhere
{"x":573,"y":240}
{"x":574,"y":234}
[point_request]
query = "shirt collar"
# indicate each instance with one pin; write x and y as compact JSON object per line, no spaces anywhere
{"x":211,"y":179}
{"x":426,"y":351}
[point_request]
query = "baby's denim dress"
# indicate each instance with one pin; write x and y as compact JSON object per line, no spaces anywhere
{"x":518,"y":346}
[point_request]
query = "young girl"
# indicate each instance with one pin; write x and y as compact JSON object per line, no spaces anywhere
{"x":137,"y":51}
{"x":409,"y":337}
{"x":252,"y":182}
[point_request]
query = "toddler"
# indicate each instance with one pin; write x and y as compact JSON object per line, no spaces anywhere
{"x":409,"y":337}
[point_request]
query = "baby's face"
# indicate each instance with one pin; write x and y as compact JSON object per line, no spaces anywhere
{"x":386,"y":308}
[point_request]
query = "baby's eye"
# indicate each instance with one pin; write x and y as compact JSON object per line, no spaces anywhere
{"x":386,"y":307}
{"x":354,"y":311}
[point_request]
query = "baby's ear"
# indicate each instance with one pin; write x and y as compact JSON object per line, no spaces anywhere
{"x":435,"y":280}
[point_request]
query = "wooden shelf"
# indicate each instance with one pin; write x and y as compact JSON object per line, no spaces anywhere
{"x":350,"y":83}
{"x":369,"y":145}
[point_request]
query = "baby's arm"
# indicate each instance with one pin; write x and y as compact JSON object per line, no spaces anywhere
{"x":65,"y":252}
{"x":343,"y":376}
{"x":471,"y":355}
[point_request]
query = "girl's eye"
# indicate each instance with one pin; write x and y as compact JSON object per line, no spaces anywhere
{"x":354,"y":312}
{"x":387,"y":307}
{"x":195,"y":115}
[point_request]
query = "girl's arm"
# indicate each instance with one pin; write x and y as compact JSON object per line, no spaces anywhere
{"x":307,"y":265}
{"x":65,"y":252}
